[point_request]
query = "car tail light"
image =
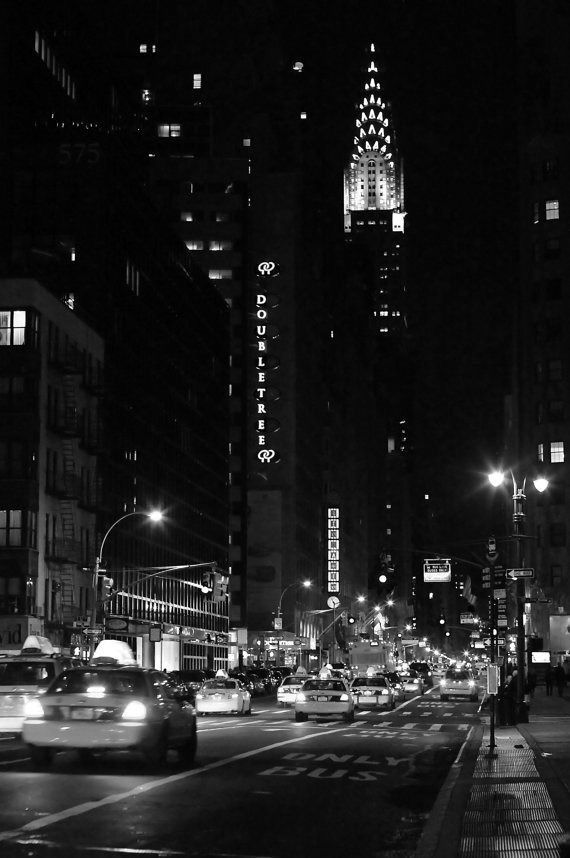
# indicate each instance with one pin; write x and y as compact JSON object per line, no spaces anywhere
{"x":134,"y":711}
{"x":443,"y":682}
{"x":234,"y":696}
{"x":344,"y":697}
{"x":33,"y":708}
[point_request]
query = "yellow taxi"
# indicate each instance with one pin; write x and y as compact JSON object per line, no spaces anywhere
{"x":372,"y":691}
{"x":324,"y":695}
{"x":290,"y":686}
{"x":25,"y":675}
{"x":224,"y":695}
{"x":458,"y":682}
{"x":111,"y":704}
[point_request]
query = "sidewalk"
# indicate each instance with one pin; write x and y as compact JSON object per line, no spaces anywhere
{"x":514,"y":802}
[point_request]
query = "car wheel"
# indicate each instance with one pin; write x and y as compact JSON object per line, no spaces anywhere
{"x":248,"y":711}
{"x":187,"y":751}
{"x":300,"y":716}
{"x":156,"y":753}
{"x":41,"y":757}
{"x":474,"y":698}
{"x":348,"y":717}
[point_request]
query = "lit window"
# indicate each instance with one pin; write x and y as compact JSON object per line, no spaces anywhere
{"x":303,"y":114}
{"x":391,"y":445}
{"x":557,"y":451}
{"x":187,"y":216}
{"x":12,"y":327}
{"x":169,"y":131}
{"x":221,"y":245}
{"x":146,"y":96}
{"x":220,"y":273}
{"x":195,"y":244}
{"x":246,"y":141}
{"x":551,"y":209}
{"x":540,"y":452}
{"x":143,"y":49}
{"x":197,"y":81}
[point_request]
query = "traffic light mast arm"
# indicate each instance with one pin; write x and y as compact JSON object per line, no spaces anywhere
{"x":162,"y":569}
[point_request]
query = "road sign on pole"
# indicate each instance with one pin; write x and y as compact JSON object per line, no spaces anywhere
{"x":520,"y":573}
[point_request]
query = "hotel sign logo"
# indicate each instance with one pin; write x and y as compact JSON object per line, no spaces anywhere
{"x":333,"y":549}
{"x":264,"y":395}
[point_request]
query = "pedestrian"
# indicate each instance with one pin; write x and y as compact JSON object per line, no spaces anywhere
{"x":548,"y":679}
{"x":510,"y":698}
{"x":531,"y":682}
{"x":560,"y":678}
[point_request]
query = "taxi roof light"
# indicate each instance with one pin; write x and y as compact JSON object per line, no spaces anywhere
{"x":114,"y":652}
{"x":38,"y":645}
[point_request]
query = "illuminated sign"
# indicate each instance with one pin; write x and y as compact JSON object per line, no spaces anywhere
{"x":437,"y":570}
{"x":263,"y":394}
{"x":333,"y":550}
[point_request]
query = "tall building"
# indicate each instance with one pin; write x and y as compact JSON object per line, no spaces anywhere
{"x":374,"y":216}
{"x":538,"y":425}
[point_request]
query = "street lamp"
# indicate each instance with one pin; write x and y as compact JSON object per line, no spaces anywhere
{"x":154,"y":515}
{"x":496,"y":479}
{"x":306,"y":584}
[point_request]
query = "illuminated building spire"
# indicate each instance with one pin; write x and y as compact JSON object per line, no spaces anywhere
{"x":374,"y":178}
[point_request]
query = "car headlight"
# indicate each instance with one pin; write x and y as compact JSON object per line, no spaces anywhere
{"x":344,"y":697}
{"x":472,"y":683}
{"x":134,"y":711}
{"x":443,"y":682}
{"x":33,"y":708}
{"x":300,"y":698}
{"x":235,"y":696}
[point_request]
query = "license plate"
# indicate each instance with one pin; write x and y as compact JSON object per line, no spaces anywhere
{"x":83,"y":714}
{"x":322,"y":699}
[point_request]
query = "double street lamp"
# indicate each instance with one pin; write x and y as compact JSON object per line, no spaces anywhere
{"x":496,"y":479}
{"x":154,"y":515}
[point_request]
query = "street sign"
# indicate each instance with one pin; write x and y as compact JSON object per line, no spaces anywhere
{"x":466,"y":618}
{"x":94,"y":631}
{"x":410,"y":642}
{"x":502,"y":623}
{"x":437,"y":570}
{"x":278,"y":623}
{"x":520,"y":573}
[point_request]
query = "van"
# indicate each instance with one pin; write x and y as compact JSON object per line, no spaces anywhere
{"x":26,"y":675}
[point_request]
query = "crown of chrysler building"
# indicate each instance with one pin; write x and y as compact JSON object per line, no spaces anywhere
{"x":374,"y":179}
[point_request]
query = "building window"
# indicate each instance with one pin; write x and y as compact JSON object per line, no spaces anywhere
{"x":197,"y":80}
{"x":557,"y":451}
{"x":556,"y":575}
{"x":195,"y":244}
{"x":558,"y":534}
{"x":540,"y":452}
{"x":552,"y":248}
{"x":220,"y":273}
{"x":147,"y":96}
{"x":169,"y":130}
{"x":12,"y":327}
{"x":535,"y":212}
{"x":550,"y":169}
{"x":11,"y":527}
{"x":221,"y":245}
{"x":187,"y":216}
{"x":551,"y":210}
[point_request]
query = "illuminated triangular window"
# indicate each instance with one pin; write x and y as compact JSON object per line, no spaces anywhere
{"x":372,"y":130}
{"x":371,"y":115}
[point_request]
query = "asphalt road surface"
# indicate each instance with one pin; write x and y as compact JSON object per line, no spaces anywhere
{"x":262,"y":787}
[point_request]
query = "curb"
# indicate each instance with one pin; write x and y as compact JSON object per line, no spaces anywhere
{"x":450,"y":803}
{"x":557,"y":789}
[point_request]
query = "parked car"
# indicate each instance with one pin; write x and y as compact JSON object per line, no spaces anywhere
{"x":372,"y":692}
{"x":322,"y":697}
{"x":190,"y":680}
{"x":458,"y":683}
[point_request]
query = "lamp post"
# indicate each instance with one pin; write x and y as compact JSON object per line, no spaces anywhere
{"x":518,"y":518}
{"x":154,"y":515}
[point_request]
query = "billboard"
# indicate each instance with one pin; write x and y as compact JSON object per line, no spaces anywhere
{"x":437,"y":571}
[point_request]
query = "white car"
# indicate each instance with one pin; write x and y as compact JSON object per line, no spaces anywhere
{"x":324,"y":697}
{"x":288,"y":689}
{"x":458,"y":683}
{"x":372,"y":692}
{"x":109,"y":706}
{"x":223,"y":695}
{"x":413,"y":683}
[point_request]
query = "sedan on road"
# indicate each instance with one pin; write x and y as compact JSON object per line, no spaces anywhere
{"x":287,"y":691}
{"x":458,"y":683}
{"x":372,"y":692}
{"x":223,"y":695}
{"x":323,"y":697}
{"x":413,"y":683}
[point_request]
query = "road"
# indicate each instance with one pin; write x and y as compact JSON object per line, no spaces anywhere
{"x":261,"y":786}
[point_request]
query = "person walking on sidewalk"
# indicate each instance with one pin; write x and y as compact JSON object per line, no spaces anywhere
{"x":548,"y":679}
{"x":560,"y":678}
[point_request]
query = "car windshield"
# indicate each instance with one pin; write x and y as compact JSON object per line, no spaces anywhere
{"x":100,"y":682}
{"x":219,"y":683}
{"x":323,"y":685}
{"x":293,"y":680}
{"x":369,"y":682}
{"x":457,"y":674}
{"x":26,"y":672}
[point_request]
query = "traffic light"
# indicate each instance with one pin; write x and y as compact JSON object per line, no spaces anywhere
{"x":351,"y":620}
{"x":207,"y":576}
{"x":106,"y":588}
{"x":219,"y":587}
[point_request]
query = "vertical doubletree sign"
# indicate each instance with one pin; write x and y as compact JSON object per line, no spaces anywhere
{"x":333,"y":550}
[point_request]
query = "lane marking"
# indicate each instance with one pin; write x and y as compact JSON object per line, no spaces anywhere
{"x":88,"y":806}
